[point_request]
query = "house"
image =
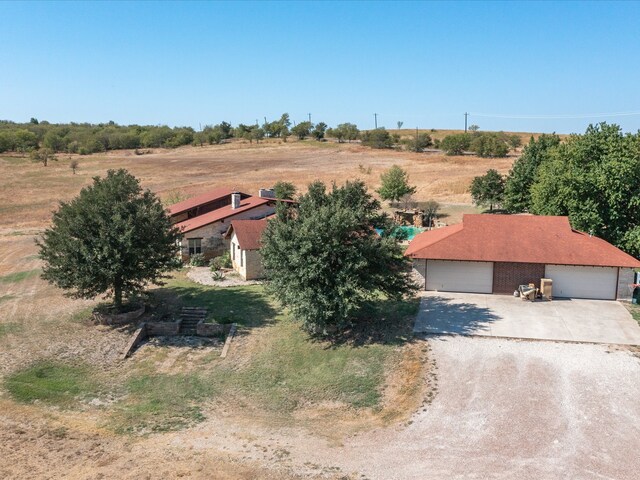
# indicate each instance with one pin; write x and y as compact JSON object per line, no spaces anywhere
{"x":204,"y":219}
{"x":496,"y":253}
{"x":244,"y":243}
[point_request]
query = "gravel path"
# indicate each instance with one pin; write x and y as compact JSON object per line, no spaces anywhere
{"x":202,"y":275}
{"x":505,"y":409}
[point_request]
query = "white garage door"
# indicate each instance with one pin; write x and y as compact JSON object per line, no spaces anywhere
{"x":472,"y":277}
{"x":583,"y":282}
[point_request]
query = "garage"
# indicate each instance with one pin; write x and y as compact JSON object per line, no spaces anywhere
{"x":455,"y":276}
{"x":572,"y":281}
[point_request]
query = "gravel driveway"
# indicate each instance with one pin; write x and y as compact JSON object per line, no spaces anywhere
{"x":505,"y":409}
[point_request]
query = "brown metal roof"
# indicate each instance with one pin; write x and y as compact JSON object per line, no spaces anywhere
{"x":202,"y":199}
{"x":249,"y":232}
{"x":222,"y":213}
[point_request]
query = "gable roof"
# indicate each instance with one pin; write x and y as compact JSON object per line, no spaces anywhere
{"x":248,"y":232}
{"x":222,"y":213}
{"x":210,"y":196}
{"x":517,"y":238}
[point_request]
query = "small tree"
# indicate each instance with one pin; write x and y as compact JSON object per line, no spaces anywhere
{"x":113,"y":239}
{"x":378,"y":138}
{"x":319,"y":130}
{"x":395,"y":184}
{"x":284,"y":190}
{"x":474,"y":128}
{"x":488,"y":190}
{"x":44,"y":156}
{"x":456,"y":144}
{"x":73,"y":165}
{"x":302,"y":130}
{"x":430,"y":208}
{"x":400,"y":125}
{"x":419,"y":142}
{"x":324,"y":259}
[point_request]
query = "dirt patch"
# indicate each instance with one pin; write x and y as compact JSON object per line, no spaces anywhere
{"x":202,"y":275}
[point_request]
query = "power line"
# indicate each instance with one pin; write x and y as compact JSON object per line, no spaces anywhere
{"x":559,"y":116}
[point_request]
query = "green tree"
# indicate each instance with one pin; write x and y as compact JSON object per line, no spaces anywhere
{"x":488,"y":145}
{"x":319,"y":131}
{"x":302,"y":130}
{"x":324,"y":259}
{"x":112,"y":239}
{"x":430,"y":208}
{"x":378,"y":138}
{"x":395,"y":184}
{"x":474,"y":128}
{"x":517,"y":190}
{"x":419,"y":142}
{"x":594,"y":179}
{"x":43,"y":156}
{"x":456,"y":144}
{"x":284,"y":190}
{"x":488,"y":190}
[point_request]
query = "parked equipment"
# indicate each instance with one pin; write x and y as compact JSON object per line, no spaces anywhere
{"x":528,"y":292}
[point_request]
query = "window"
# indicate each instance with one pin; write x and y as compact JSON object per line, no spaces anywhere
{"x":195,"y":246}
{"x":233,"y":251}
{"x":241,"y":255}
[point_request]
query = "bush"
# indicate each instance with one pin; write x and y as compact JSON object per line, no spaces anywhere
{"x":220,"y":262}
{"x":217,"y":275}
{"x":378,"y":138}
{"x":197,"y":260}
{"x":456,"y":144}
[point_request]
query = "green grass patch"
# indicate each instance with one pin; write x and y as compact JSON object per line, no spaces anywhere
{"x":52,"y":383}
{"x":7,"y":328}
{"x":635,"y":311}
{"x":16,"y":277}
{"x":5,"y":298}
{"x":160,"y":403}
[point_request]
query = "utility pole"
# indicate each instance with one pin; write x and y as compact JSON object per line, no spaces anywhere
{"x":375,"y":116}
{"x":465,"y":121}
{"x":309,"y":117}
{"x":265,"y":120}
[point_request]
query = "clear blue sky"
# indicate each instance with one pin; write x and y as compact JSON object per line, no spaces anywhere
{"x":421,"y":63}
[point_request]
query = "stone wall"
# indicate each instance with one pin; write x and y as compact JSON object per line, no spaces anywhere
{"x":163,"y":328}
{"x":212,"y":329}
{"x":420,"y":271}
{"x":507,"y":275}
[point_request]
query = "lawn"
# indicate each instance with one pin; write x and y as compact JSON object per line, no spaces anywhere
{"x":274,"y":366}
{"x":635,"y":311}
{"x":16,"y":277}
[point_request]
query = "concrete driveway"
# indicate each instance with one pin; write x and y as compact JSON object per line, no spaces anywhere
{"x":597,"y":321}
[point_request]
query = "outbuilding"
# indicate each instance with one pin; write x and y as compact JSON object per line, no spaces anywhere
{"x":244,"y":243}
{"x":497,"y":253}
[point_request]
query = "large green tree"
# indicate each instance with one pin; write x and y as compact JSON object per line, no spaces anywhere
{"x":594,"y":178}
{"x":395,"y":184}
{"x":488,"y":189}
{"x":324,"y":259}
{"x":456,"y":144}
{"x":302,"y":130}
{"x":284,"y":190}
{"x":517,"y":190}
{"x":112,"y":239}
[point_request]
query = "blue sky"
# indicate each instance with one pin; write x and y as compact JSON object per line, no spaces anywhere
{"x":421,"y":63}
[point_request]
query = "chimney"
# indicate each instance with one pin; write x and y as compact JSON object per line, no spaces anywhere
{"x":235,"y":200}
{"x":266,"y":193}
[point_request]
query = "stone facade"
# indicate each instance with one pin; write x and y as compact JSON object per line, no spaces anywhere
{"x":212,"y":235}
{"x":420,"y":271}
{"x":248,"y":263}
{"x":625,"y":278}
{"x":508,"y":275}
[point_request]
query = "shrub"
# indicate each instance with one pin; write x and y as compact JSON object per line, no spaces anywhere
{"x":220,"y":262}
{"x":197,"y":260}
{"x":217,"y":275}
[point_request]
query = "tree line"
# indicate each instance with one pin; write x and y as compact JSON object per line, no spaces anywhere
{"x":593,"y":178}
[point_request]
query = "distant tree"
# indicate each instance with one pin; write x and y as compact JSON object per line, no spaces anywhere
{"x":517,"y":190}
{"x":488,"y":145}
{"x":324,"y":259}
{"x":24,"y":140}
{"x":430,"y":208}
{"x":400,"y":125}
{"x":302,"y":130}
{"x":488,"y":190}
{"x":34,"y":121}
{"x":419,"y":142}
{"x":515,"y":141}
{"x":54,"y":142}
{"x":351,"y":131}
{"x":112,"y":239}
{"x":73,"y":165}
{"x":257,"y":134}
{"x":395,"y":184}
{"x":378,"y":138}
{"x":319,"y":131}
{"x":455,"y":144}
{"x":474,"y":128}
{"x":284,"y":190}
{"x":44,"y":156}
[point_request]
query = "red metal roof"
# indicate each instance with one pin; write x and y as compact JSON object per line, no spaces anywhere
{"x":222,"y":213}
{"x":210,"y":196}
{"x":517,"y":238}
{"x":249,"y":232}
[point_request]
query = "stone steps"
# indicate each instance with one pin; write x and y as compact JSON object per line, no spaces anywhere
{"x":190,"y":316}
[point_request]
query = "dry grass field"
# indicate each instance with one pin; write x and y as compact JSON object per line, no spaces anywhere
{"x":105,"y":418}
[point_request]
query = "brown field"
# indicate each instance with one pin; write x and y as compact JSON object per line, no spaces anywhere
{"x":37,"y":321}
